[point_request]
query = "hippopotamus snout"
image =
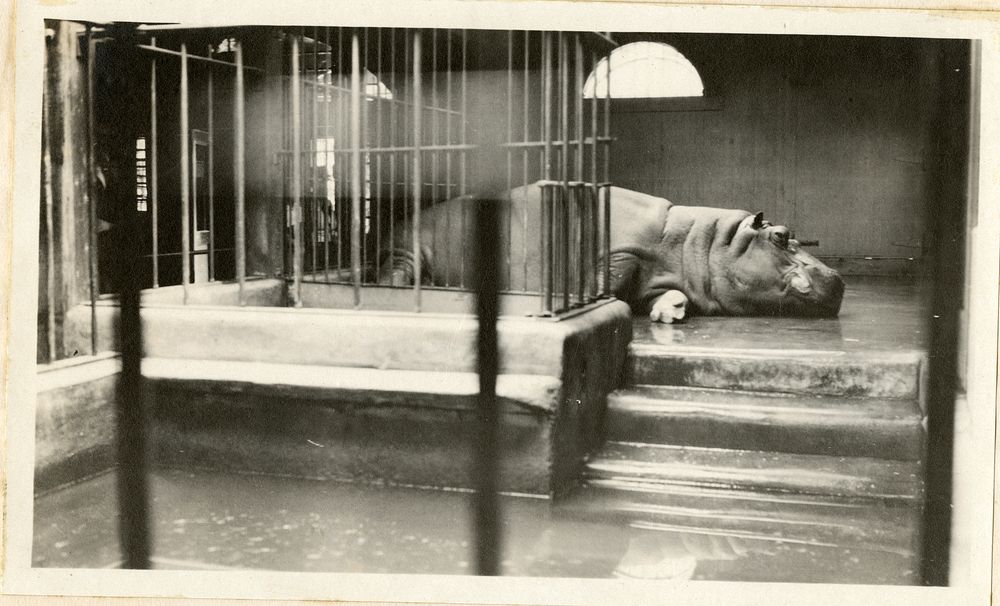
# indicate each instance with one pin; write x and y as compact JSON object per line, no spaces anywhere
{"x":825,"y":291}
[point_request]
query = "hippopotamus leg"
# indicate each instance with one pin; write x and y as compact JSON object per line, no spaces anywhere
{"x":669,"y":307}
{"x":626,"y":278}
{"x":396,"y":268}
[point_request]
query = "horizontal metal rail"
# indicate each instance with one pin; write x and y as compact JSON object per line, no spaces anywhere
{"x":190,"y":57}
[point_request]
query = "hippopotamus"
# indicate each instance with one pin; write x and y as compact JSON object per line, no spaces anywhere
{"x":667,"y":260}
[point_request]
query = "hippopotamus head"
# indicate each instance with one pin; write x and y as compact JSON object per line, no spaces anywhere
{"x":768,"y":273}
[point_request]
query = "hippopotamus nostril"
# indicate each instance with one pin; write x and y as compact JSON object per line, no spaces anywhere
{"x":780,"y":236}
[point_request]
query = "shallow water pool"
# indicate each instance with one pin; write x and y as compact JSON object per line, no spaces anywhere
{"x":211,"y":520}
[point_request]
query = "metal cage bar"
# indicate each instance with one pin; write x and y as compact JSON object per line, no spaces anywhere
{"x":185,"y":178}
{"x":297,"y":244}
{"x":211,"y":174}
{"x":239,"y":168}
{"x":417,"y":175}
{"x":91,"y":190}
{"x":153,"y":174}
{"x":356,"y":184}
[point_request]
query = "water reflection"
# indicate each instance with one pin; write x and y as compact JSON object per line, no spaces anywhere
{"x":216,"y":521}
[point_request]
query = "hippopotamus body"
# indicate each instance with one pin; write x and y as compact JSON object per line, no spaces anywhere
{"x":666,"y":260}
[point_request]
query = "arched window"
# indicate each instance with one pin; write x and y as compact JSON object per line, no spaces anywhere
{"x":645,"y":69}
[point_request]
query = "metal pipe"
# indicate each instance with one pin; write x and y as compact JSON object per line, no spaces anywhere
{"x":91,"y":192}
{"x":211,"y":176}
{"x":239,"y":153}
{"x":417,"y":178}
{"x":153,"y":183}
{"x":296,"y":176}
{"x":50,"y":252}
{"x":356,"y":169}
{"x":185,"y":179}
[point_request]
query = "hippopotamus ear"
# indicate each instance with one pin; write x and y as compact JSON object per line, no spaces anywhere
{"x":758,"y":220}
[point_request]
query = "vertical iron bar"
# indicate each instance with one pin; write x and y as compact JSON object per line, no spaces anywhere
{"x":487,"y":452}
{"x":378,"y":156}
{"x":239,"y":142}
{"x":417,"y":101}
{"x":365,"y":169}
{"x":313,"y":145}
{"x":605,"y":176}
{"x":130,"y":435}
{"x":297,"y":243}
{"x":463,"y":155}
{"x":91,"y":191}
{"x":406,"y":131}
{"x":434,"y":138}
{"x":153,"y":184}
{"x":564,"y":206}
{"x":447,"y":157}
{"x":211,"y":175}
{"x":185,"y":179}
{"x":356,"y":169}
{"x":547,"y":259}
{"x":594,"y":193}
{"x":509,"y":150}
{"x":338,"y":158}
{"x":581,"y":204}
{"x":50,"y":252}
{"x":524,"y":164}
{"x":487,"y":138}
{"x":392,"y":156}
{"x":955,"y":147}
{"x":327,"y":204}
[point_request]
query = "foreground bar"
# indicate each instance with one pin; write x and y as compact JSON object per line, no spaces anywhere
{"x":239,"y":155}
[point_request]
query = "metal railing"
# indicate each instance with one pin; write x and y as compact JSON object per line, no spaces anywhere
{"x":378,"y":141}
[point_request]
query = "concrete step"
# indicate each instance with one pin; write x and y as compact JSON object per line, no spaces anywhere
{"x":845,"y":480}
{"x":371,"y":425}
{"x":825,"y":425}
{"x":888,"y":374}
{"x":806,"y":519}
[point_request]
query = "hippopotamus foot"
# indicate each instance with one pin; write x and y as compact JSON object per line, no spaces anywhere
{"x":669,"y":307}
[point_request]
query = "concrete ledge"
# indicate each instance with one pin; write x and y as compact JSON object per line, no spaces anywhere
{"x":347,"y":424}
{"x":354,"y":386}
{"x":389,"y":395}
{"x":74,"y":419}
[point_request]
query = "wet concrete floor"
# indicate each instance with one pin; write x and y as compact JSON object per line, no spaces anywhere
{"x":877,"y":314}
{"x":210,"y":520}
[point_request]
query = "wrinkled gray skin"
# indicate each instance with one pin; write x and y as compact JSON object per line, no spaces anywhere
{"x":674,"y":260}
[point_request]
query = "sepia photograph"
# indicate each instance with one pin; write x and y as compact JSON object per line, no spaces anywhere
{"x":577,"y":302}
